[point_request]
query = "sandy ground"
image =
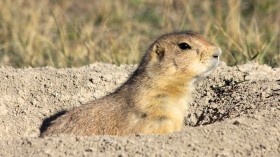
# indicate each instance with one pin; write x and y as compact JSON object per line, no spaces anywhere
{"x":236,"y":112}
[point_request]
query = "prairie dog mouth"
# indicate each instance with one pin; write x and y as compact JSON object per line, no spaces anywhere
{"x":217,"y":54}
{"x":215,"y":59}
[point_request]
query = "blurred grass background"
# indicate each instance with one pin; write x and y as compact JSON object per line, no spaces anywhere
{"x":71,"y":33}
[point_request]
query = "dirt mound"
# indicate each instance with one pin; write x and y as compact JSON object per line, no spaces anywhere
{"x":235,"y":112}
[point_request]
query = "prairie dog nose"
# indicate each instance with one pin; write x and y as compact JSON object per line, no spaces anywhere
{"x":217,"y":53}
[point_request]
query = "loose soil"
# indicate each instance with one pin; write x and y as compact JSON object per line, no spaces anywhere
{"x":235,"y":112}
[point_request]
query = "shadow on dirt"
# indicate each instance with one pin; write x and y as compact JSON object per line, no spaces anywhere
{"x":47,"y":122}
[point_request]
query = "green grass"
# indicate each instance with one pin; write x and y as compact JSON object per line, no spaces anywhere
{"x":63,"y":33}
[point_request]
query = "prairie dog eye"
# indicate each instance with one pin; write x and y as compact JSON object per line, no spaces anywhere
{"x":184,"y":46}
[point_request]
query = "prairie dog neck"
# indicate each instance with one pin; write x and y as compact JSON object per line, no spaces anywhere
{"x":151,"y":94}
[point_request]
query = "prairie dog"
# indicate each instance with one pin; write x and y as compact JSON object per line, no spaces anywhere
{"x":154,"y":99}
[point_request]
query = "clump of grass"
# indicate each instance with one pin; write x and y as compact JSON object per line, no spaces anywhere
{"x":74,"y":33}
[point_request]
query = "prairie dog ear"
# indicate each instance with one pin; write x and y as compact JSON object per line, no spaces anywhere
{"x":157,"y":54}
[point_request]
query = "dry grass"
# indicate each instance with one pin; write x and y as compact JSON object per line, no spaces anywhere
{"x":65,"y":33}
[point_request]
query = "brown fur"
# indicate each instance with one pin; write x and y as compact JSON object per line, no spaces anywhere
{"x":155,"y":98}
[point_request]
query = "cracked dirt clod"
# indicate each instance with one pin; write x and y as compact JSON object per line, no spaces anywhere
{"x":235,"y":112}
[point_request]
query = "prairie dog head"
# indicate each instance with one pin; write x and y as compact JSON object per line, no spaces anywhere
{"x":184,"y":55}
